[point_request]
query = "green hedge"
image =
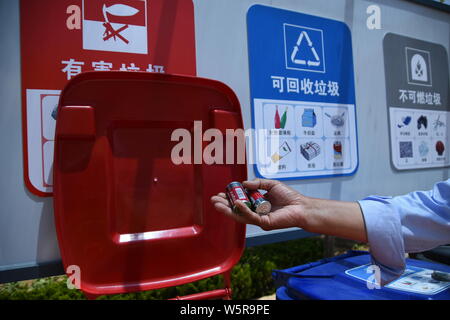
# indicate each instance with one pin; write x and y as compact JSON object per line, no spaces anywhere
{"x":251,"y":277}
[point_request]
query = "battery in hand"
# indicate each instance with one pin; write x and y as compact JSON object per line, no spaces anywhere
{"x":259,"y":204}
{"x":251,"y":198}
{"x":235,"y":191}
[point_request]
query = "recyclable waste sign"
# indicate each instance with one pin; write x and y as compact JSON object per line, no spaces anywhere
{"x":60,"y":39}
{"x":302,"y":95}
{"x":417,"y":91}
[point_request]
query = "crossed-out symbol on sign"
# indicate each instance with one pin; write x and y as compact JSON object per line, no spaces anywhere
{"x":316,"y":63}
{"x":111,"y":33}
{"x":117,"y":10}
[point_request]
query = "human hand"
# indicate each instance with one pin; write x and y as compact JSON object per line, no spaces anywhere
{"x":287,"y":206}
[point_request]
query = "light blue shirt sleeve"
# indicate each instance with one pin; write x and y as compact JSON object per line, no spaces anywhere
{"x":414,"y":222}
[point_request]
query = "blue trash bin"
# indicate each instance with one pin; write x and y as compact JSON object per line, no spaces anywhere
{"x":347,"y":277}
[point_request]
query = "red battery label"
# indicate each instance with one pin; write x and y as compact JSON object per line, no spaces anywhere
{"x":239,"y":193}
{"x":254,"y":195}
{"x":259,"y":203}
{"x":235,"y":191}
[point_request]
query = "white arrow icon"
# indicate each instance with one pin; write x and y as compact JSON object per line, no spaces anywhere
{"x":304,"y":35}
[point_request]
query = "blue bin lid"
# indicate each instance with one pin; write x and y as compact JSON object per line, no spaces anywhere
{"x":345,"y":278}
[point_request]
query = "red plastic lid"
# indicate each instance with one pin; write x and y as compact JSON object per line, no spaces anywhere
{"x":125,"y":214}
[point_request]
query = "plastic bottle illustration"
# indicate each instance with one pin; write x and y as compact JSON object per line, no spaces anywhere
{"x":283,"y":119}
{"x":277,"y":120}
{"x":280,"y":122}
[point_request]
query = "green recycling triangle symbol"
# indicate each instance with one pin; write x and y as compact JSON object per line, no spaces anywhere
{"x":294,"y":58}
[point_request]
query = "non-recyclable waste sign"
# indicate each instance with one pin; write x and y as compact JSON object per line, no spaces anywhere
{"x":302,"y":94}
{"x":60,"y":39}
{"x":417,"y":91}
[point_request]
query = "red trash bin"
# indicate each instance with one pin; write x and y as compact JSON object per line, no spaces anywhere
{"x":125,"y":214}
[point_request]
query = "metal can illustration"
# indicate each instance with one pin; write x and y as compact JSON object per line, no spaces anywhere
{"x":235,"y":191}
{"x":260,"y":204}
{"x":337,"y":148}
{"x":337,"y":120}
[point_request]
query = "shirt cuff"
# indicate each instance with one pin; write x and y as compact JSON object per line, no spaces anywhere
{"x":385,"y":237}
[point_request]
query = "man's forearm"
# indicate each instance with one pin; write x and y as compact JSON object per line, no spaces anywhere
{"x":337,"y":218}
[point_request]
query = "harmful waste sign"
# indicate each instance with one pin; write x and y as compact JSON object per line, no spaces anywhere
{"x":60,"y":39}
{"x":116,"y":27}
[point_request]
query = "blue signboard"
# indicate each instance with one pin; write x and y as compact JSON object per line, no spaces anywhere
{"x":302,"y":94}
